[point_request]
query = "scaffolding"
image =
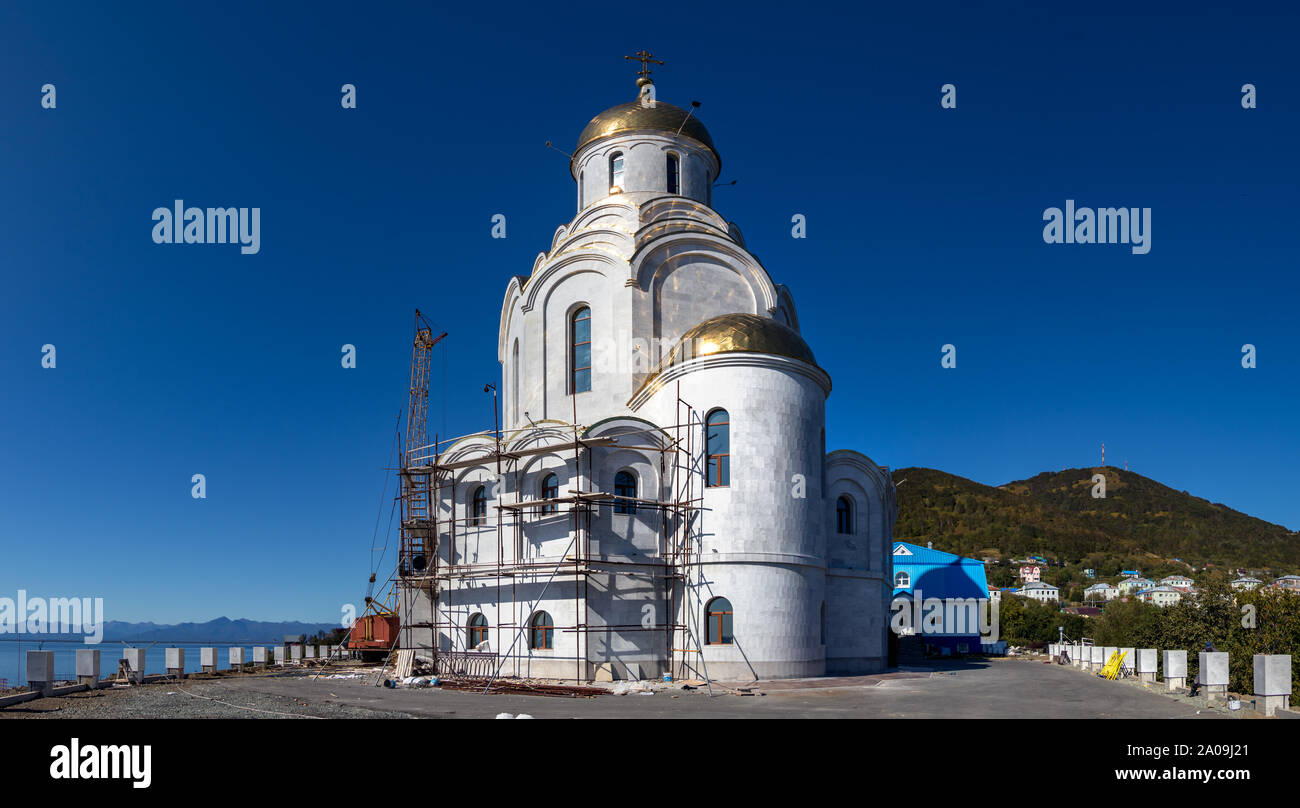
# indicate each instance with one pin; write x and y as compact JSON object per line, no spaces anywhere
{"x":427,"y":477}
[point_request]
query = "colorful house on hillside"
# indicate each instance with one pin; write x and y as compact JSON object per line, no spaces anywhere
{"x":1290,"y":583}
{"x":1131,"y":586}
{"x":1246,"y":582}
{"x":1101,"y":591}
{"x":925,"y":573}
{"x":1160,"y":596}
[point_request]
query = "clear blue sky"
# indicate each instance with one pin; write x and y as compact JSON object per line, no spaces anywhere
{"x":924,"y":228}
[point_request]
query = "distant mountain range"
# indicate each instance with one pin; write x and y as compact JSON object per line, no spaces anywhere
{"x":1055,"y":514}
{"x":222,"y":629}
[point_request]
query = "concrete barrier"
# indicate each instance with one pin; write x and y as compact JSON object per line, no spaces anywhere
{"x":259,"y":656}
{"x":1107,"y":653}
{"x":295,"y":652}
{"x":208,"y":660}
{"x":1174,"y":664}
{"x":88,"y":667}
{"x":1272,"y":683}
{"x":1098,"y":655}
{"x":135,"y":663}
{"x":236,"y":658}
{"x":279,"y":655}
{"x":40,"y":672}
{"x":1079,"y":650}
{"x":1145,"y":665}
{"x":175,"y":662}
{"x":309,"y":651}
{"x":1214,"y":674}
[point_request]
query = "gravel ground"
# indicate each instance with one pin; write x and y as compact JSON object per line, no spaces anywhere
{"x":193,"y":699}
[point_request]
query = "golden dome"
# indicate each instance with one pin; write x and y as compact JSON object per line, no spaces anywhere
{"x":632,"y":117}
{"x":741,"y":333}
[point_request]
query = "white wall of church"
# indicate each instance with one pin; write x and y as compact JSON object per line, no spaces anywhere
{"x":645,"y":167}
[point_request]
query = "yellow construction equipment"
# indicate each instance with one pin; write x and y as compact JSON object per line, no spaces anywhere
{"x":1111,"y":669}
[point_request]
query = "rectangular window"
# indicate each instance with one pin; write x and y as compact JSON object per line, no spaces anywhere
{"x":672,"y":174}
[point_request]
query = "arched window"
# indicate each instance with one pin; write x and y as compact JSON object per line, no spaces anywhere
{"x":717,"y":618}
{"x":478,"y":512}
{"x":902,"y":580}
{"x":673,"y":172}
{"x":624,"y":486}
{"x":477,"y":631}
{"x":550,"y":490}
{"x":580,"y":356}
{"x":582,"y":176}
{"x":616,"y":170}
{"x":542,"y":633}
{"x":843,"y":515}
{"x":717,"y":444}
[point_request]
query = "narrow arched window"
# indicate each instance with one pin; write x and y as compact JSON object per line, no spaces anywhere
{"x":625,"y":486}
{"x":478,"y":512}
{"x":582,"y":176}
{"x":717,"y":618}
{"x":477,"y":631}
{"x":580,"y":356}
{"x":674,"y":167}
{"x":550,"y":490}
{"x":542,"y":634}
{"x":843,"y":515}
{"x":902,"y":580}
{"x":514,"y":383}
{"x":616,"y":170}
{"x":717,"y":443}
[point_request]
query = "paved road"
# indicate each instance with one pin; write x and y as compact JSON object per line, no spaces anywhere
{"x":994,"y":689}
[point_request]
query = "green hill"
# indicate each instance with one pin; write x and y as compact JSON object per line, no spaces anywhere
{"x":1055,"y":515}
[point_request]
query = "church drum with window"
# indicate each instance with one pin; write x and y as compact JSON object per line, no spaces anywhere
{"x":648,"y":297}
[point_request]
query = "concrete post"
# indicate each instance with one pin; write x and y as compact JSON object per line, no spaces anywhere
{"x":295,"y":652}
{"x":88,"y":667}
{"x":1175,"y":666}
{"x":279,"y":655}
{"x":1098,"y":658}
{"x":40,"y":672}
{"x":208,"y":660}
{"x":310,"y":651}
{"x":1129,"y":662}
{"x":175,"y":663}
{"x":1146,"y":664}
{"x":135,"y":662}
{"x":236,"y":658}
{"x":1272,"y":682}
{"x":259,"y":656}
{"x":1214,"y":674}
{"x":1078,"y":654}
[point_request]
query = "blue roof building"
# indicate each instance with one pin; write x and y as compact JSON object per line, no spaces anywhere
{"x":928,"y":573}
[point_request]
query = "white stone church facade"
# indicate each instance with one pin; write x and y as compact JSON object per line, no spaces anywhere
{"x":648,"y":298}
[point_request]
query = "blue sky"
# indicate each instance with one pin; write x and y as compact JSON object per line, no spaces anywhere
{"x":924,"y":228}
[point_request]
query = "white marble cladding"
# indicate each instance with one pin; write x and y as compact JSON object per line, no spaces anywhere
{"x":645,"y":167}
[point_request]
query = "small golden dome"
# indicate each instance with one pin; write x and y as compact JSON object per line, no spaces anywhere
{"x":741,"y":333}
{"x":632,"y":117}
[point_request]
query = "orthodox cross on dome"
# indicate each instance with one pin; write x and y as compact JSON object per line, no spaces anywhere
{"x":646,"y":58}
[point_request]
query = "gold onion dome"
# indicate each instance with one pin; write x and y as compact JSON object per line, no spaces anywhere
{"x":633,"y":117}
{"x":741,"y":333}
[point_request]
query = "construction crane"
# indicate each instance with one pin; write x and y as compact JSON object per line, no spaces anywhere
{"x":376,"y":631}
{"x":418,"y":529}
